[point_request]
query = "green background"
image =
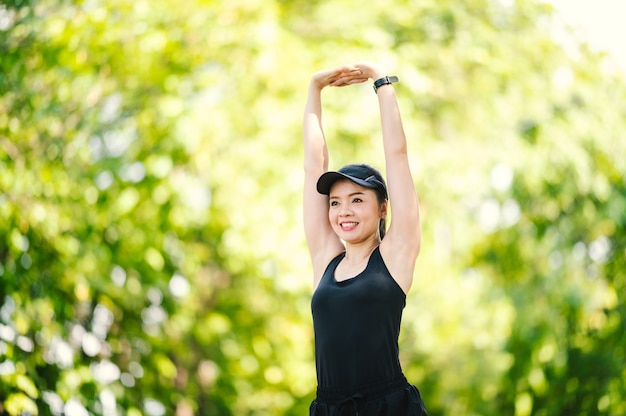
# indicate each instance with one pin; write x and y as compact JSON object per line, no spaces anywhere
{"x":152,"y":259}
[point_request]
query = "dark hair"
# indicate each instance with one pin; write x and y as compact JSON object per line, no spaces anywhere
{"x":382,"y":197}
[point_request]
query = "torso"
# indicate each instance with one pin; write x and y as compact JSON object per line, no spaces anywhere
{"x":356,"y":316}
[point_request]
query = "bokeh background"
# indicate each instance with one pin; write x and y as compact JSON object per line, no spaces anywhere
{"x":152,"y":259}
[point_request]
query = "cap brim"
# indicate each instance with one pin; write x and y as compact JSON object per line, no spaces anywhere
{"x":326,"y":181}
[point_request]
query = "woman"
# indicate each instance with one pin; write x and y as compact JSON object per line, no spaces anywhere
{"x":361,"y":274}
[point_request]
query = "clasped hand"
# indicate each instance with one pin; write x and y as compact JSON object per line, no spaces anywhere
{"x":348,"y":75}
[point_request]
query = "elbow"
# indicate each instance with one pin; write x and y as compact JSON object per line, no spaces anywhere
{"x":418,"y":244}
{"x":315,"y":167}
{"x":418,"y":248}
{"x":316,"y":161}
{"x":396,"y":151}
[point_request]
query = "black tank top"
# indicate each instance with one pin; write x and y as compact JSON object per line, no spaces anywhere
{"x":356,"y":324}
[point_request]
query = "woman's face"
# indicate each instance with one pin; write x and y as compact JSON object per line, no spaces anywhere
{"x":354,"y":211}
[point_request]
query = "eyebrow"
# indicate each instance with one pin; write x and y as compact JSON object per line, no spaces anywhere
{"x":352,"y":194}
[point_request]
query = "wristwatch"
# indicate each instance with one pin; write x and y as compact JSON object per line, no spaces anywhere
{"x":384,"y":81}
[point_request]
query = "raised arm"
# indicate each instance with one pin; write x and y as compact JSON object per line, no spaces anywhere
{"x":322,"y":242}
{"x":401,"y":244}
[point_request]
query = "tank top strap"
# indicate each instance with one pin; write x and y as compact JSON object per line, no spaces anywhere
{"x":376,"y":257}
{"x":329,"y":273}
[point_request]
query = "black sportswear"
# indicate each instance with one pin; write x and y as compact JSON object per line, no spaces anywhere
{"x":357,"y":324}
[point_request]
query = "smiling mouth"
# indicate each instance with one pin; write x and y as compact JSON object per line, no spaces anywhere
{"x":348,"y":225}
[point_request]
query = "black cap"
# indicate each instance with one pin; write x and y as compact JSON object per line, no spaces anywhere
{"x":361,"y":174}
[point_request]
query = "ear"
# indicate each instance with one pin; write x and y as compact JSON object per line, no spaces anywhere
{"x":383,"y":210}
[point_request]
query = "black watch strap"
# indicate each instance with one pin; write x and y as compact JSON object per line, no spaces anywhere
{"x":384,"y":81}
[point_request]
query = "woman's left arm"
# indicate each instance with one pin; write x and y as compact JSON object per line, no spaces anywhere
{"x":401,"y":244}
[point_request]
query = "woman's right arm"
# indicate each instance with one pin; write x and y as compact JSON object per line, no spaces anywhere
{"x":321,"y":240}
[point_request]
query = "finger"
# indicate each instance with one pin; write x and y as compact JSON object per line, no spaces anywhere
{"x":352,"y":74}
{"x":356,"y":75}
{"x":348,"y":71}
{"x":341,"y":81}
{"x":348,"y":81}
{"x":357,"y":81}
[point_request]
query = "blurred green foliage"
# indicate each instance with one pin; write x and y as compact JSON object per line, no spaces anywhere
{"x":151,"y":254}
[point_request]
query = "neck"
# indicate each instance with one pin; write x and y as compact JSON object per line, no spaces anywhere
{"x":359,"y":252}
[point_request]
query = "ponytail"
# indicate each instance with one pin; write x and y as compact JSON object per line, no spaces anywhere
{"x":382,"y":227}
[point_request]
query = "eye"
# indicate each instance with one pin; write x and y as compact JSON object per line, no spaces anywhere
{"x":334,"y":203}
{"x":357,"y":200}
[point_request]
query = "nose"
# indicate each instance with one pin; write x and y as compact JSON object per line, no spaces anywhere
{"x":344,"y":210}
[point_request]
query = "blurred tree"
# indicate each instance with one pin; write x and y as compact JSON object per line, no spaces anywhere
{"x":151,"y":255}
